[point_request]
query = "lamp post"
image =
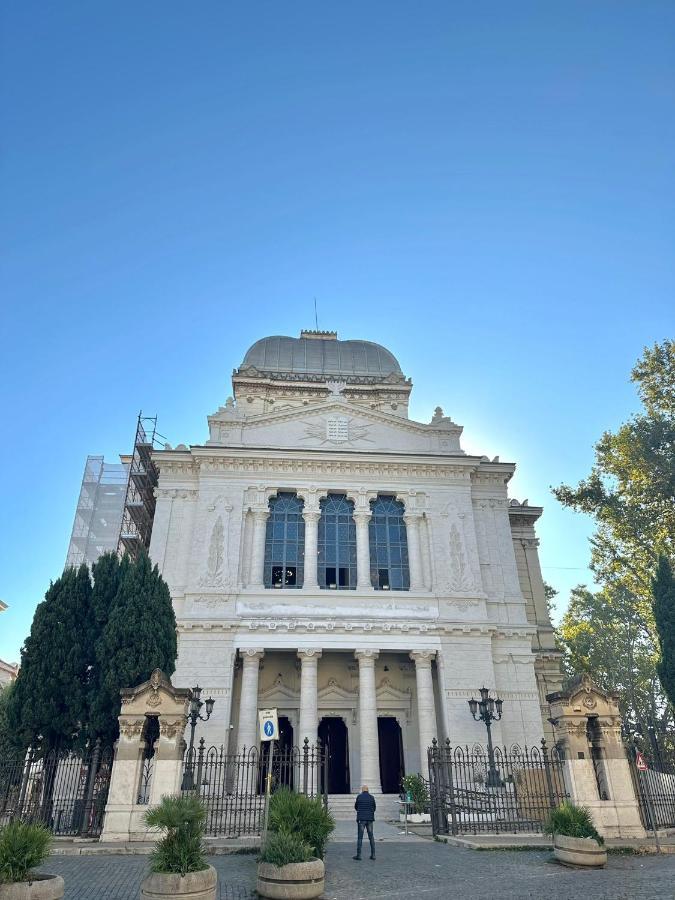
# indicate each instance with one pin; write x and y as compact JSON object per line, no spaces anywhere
{"x":194,"y":716}
{"x":488,"y":710}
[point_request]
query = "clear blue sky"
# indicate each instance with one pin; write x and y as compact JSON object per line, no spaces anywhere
{"x":485,"y":188}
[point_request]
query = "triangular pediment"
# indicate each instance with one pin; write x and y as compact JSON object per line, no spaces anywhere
{"x":278,"y":692}
{"x":335,"y":424}
{"x":333,"y":692}
{"x":387,"y":691}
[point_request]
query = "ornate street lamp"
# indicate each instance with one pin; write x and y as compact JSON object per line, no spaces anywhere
{"x":194,"y":716}
{"x":488,"y":710}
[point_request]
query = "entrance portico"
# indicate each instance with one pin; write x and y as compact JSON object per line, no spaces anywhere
{"x":373,"y":709}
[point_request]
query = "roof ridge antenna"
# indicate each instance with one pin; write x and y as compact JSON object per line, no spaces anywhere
{"x":316,"y":317}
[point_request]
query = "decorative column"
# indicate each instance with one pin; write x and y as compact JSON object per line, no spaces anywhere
{"x":311,"y":518}
{"x":248,"y":703}
{"x":412,"y":524}
{"x":260,"y":517}
{"x":370,"y":747}
{"x":426,"y":709}
{"x":309,"y":711}
{"x":361,"y":519}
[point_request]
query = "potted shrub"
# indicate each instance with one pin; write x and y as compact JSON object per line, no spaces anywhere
{"x":22,"y":848}
{"x":414,"y":787}
{"x":290,"y":865}
{"x":178,"y":862}
{"x":575,"y":839}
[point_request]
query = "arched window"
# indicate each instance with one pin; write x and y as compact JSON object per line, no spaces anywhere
{"x":337,"y":544}
{"x":388,"y":546}
{"x":285,"y":543}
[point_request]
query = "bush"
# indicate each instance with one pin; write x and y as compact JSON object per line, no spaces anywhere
{"x":182,"y":848}
{"x":572,"y":821}
{"x":282,"y":848}
{"x":302,"y":816}
{"x":416,"y":787}
{"x":22,"y":848}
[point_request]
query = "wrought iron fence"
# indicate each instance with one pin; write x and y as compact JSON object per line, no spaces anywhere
{"x":66,"y":791}
{"x":514,"y":791}
{"x":232,"y":785}
{"x":654,"y":789}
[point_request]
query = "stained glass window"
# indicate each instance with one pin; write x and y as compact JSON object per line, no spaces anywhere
{"x":285,"y":543}
{"x":388,"y":546}
{"x":337,"y":544}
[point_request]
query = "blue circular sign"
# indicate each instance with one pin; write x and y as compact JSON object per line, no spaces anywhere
{"x":268,"y":728}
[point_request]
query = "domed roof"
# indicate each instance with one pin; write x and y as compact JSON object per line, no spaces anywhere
{"x":321,"y":353}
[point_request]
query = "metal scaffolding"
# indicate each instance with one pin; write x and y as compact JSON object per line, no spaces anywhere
{"x":98,"y":515}
{"x":139,"y":503}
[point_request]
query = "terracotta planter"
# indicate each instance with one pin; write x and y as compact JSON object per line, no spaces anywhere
{"x":43,"y":887}
{"x":193,"y":886}
{"x":296,"y":881}
{"x":573,"y":851}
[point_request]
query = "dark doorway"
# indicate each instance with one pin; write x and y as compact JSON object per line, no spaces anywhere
{"x":334,"y":739}
{"x":282,"y":760}
{"x":392,"y":768}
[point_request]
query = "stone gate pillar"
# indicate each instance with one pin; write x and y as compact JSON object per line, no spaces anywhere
{"x":587,"y":728}
{"x":154,"y":698}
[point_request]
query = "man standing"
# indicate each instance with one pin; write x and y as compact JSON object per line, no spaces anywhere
{"x":365,"y":815}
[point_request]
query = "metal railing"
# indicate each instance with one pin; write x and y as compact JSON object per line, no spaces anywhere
{"x":232,"y":785}
{"x":66,"y":791}
{"x":467,"y":798}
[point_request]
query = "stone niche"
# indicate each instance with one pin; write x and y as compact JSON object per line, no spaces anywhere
{"x":145,"y":769}
{"x":587,"y":729}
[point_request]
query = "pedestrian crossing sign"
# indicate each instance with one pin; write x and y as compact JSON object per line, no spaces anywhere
{"x":269,"y":725}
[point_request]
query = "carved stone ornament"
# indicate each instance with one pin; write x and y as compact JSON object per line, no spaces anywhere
{"x":590,"y":702}
{"x":171,"y":728}
{"x":131,"y":728}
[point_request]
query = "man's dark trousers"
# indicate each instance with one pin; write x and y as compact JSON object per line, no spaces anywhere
{"x":359,"y":841}
{"x":365,"y":807}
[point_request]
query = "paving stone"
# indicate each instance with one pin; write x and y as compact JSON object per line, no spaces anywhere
{"x":420,"y":870}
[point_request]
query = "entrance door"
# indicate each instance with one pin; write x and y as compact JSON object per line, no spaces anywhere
{"x":392,"y":768}
{"x":334,"y":738}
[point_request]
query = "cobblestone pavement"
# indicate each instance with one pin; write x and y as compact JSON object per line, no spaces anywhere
{"x":413,"y":871}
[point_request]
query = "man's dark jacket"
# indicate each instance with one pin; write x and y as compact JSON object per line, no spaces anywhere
{"x":365,"y":807}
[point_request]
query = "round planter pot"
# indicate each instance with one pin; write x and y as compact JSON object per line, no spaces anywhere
{"x":193,"y":886}
{"x":296,"y":881}
{"x":573,"y":851}
{"x":43,"y":887}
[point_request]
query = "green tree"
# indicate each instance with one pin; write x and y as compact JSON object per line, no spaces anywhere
{"x":108,"y":572}
{"x":10,"y":745}
{"x":602,"y":633}
{"x":663,"y":587}
{"x":49,"y":701}
{"x":139,"y":636}
{"x":631,"y":488}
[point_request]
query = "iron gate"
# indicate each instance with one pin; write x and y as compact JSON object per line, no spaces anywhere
{"x":66,"y":791}
{"x":655,"y":791}
{"x":515,"y":790}
{"x":232,"y":785}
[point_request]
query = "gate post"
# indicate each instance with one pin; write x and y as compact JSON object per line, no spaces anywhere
{"x":156,"y":697}
{"x":585,"y":710}
{"x":91,"y":782}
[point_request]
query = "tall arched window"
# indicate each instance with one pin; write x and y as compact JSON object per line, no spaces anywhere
{"x":285,"y":543}
{"x":388,"y":546}
{"x":337,"y":544}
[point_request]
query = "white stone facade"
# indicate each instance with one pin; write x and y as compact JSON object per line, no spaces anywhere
{"x":312,"y":417}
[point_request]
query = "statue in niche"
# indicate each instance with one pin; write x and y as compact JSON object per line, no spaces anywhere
{"x":460,"y":579}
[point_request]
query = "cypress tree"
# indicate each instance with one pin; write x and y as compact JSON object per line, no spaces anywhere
{"x":108,"y":572}
{"x":663,"y":591}
{"x":48,"y":705}
{"x":139,"y":636}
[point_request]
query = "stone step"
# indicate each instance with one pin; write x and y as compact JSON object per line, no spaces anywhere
{"x":342,"y":806}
